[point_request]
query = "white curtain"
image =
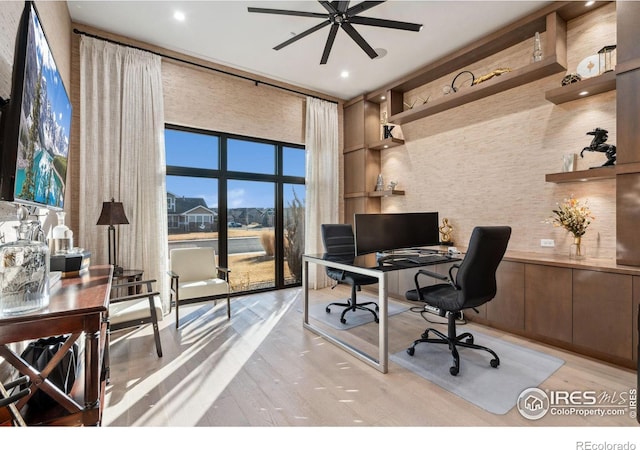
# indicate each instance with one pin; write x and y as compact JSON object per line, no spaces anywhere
{"x":122,"y":156}
{"x":322,"y":202}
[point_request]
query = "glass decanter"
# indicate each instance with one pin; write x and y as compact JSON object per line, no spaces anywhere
{"x":62,"y":236}
{"x":24,"y":273}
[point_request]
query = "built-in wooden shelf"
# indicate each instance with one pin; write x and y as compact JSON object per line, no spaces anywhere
{"x":585,"y":88}
{"x":518,"y":77}
{"x":386,"y":193}
{"x":386,"y":143}
{"x":599,"y":173}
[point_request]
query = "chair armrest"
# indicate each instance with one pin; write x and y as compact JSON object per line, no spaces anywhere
{"x":133,"y":284}
{"x":134,"y":297}
{"x":172,"y":274}
{"x":431,"y":274}
{"x":224,"y":271}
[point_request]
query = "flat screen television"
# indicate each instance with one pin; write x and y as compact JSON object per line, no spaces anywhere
{"x":36,"y":122}
{"x":395,"y":231}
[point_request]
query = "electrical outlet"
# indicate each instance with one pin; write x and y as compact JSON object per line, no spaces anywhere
{"x":547,"y":243}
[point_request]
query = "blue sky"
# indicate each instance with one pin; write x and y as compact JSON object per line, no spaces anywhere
{"x":199,"y":150}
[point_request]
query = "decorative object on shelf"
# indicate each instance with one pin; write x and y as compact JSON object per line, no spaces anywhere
{"x":589,"y":67}
{"x":380,"y":183}
{"x":386,"y":129}
{"x":575,"y":217}
{"x":409,"y":105}
{"x":113,"y":214}
{"x":425,"y":101}
{"x":493,"y":73}
{"x":537,"y":48}
{"x":600,"y":136}
{"x":569,"y":162}
{"x":571,"y":78}
{"x":446,"y":230}
{"x":607,"y":58}
{"x":62,"y":236}
{"x":392,"y":185}
{"x":24,"y":272}
{"x":453,"y":83}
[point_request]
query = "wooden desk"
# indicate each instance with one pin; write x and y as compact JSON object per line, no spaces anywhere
{"x":78,"y":306}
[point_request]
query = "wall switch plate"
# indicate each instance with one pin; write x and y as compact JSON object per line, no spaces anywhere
{"x":547,"y":243}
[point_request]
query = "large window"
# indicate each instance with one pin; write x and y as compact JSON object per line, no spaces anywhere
{"x":242,"y":196}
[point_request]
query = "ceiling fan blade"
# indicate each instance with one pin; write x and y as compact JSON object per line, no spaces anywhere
{"x":386,"y":23}
{"x":341,"y":6}
{"x":286,"y":12}
{"x":329,"y":7}
{"x":327,"y":47}
{"x":359,"y":39}
{"x":303,"y":34}
{"x":360,"y":7}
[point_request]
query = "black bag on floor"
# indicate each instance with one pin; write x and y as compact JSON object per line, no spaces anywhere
{"x":38,"y":354}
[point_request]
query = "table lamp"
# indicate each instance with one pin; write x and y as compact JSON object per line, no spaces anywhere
{"x":113,"y":214}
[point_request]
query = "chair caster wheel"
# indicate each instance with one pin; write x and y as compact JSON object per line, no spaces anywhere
{"x":453,"y":370}
{"x":469,"y":340}
{"x":411,"y":351}
{"x":425,"y":335}
{"x":327,"y":309}
{"x":343,"y":320}
{"x":494,"y":363}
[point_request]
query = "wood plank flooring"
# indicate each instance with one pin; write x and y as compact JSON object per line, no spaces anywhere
{"x":262,"y":369}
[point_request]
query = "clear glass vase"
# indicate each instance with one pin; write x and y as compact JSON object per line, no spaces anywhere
{"x":577,"y":249}
{"x":62,"y":236}
{"x":24,"y":274}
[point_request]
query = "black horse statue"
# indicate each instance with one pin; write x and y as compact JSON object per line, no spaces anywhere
{"x":598,"y":145}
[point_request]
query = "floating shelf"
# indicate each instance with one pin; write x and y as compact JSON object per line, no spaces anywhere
{"x":599,"y":173}
{"x":386,"y":143}
{"x":495,"y":85}
{"x":387,"y":193}
{"x":585,"y":88}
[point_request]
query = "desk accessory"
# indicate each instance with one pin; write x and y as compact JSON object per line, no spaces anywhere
{"x":600,"y":136}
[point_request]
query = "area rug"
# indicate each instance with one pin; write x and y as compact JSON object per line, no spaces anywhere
{"x":494,"y":390}
{"x":354,"y":318}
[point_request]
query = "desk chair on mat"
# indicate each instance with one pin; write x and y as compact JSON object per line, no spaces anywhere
{"x":339,"y":245}
{"x":469,"y":285}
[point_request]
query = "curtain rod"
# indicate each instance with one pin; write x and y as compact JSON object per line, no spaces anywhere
{"x":202,"y":66}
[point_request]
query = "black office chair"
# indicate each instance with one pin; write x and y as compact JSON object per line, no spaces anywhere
{"x":339,"y":246}
{"x":472,"y":284}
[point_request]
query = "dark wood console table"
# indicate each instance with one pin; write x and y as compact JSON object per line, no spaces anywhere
{"x":78,"y":307}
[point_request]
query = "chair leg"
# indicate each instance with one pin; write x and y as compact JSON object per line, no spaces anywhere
{"x":177,"y":314}
{"x":228,"y":307}
{"x":453,"y":341}
{"x":352,"y":305}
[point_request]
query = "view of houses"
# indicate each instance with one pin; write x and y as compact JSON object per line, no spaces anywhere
{"x":191,"y":214}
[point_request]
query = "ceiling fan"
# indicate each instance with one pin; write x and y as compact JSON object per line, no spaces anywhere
{"x":340,"y":15}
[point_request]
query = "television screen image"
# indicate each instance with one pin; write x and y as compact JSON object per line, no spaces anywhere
{"x":37,"y":130}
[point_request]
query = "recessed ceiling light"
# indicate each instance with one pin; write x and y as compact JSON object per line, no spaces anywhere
{"x":344,"y":74}
{"x":583,"y":93}
{"x":382,"y":97}
{"x":179,"y":16}
{"x":589,"y":4}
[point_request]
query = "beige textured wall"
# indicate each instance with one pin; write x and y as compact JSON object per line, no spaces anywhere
{"x":485,"y":163}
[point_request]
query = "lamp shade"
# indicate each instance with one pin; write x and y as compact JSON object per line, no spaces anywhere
{"x":112,"y":214}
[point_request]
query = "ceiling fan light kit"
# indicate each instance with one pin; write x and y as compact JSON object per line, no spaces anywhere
{"x":340,"y":15}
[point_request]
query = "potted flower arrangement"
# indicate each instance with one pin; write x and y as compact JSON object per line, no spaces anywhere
{"x":575,"y":217}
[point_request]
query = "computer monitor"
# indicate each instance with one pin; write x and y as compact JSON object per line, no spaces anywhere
{"x":394,"y":231}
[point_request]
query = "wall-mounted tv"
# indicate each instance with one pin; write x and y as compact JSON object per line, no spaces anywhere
{"x":36,"y":122}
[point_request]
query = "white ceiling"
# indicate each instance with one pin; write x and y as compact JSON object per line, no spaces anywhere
{"x":225,"y":32}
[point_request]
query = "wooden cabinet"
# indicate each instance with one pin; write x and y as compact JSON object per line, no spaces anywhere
{"x":548,"y":302}
{"x":507,"y":307}
{"x":602,"y":315}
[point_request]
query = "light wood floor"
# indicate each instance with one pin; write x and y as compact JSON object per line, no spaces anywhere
{"x":261,"y":368}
